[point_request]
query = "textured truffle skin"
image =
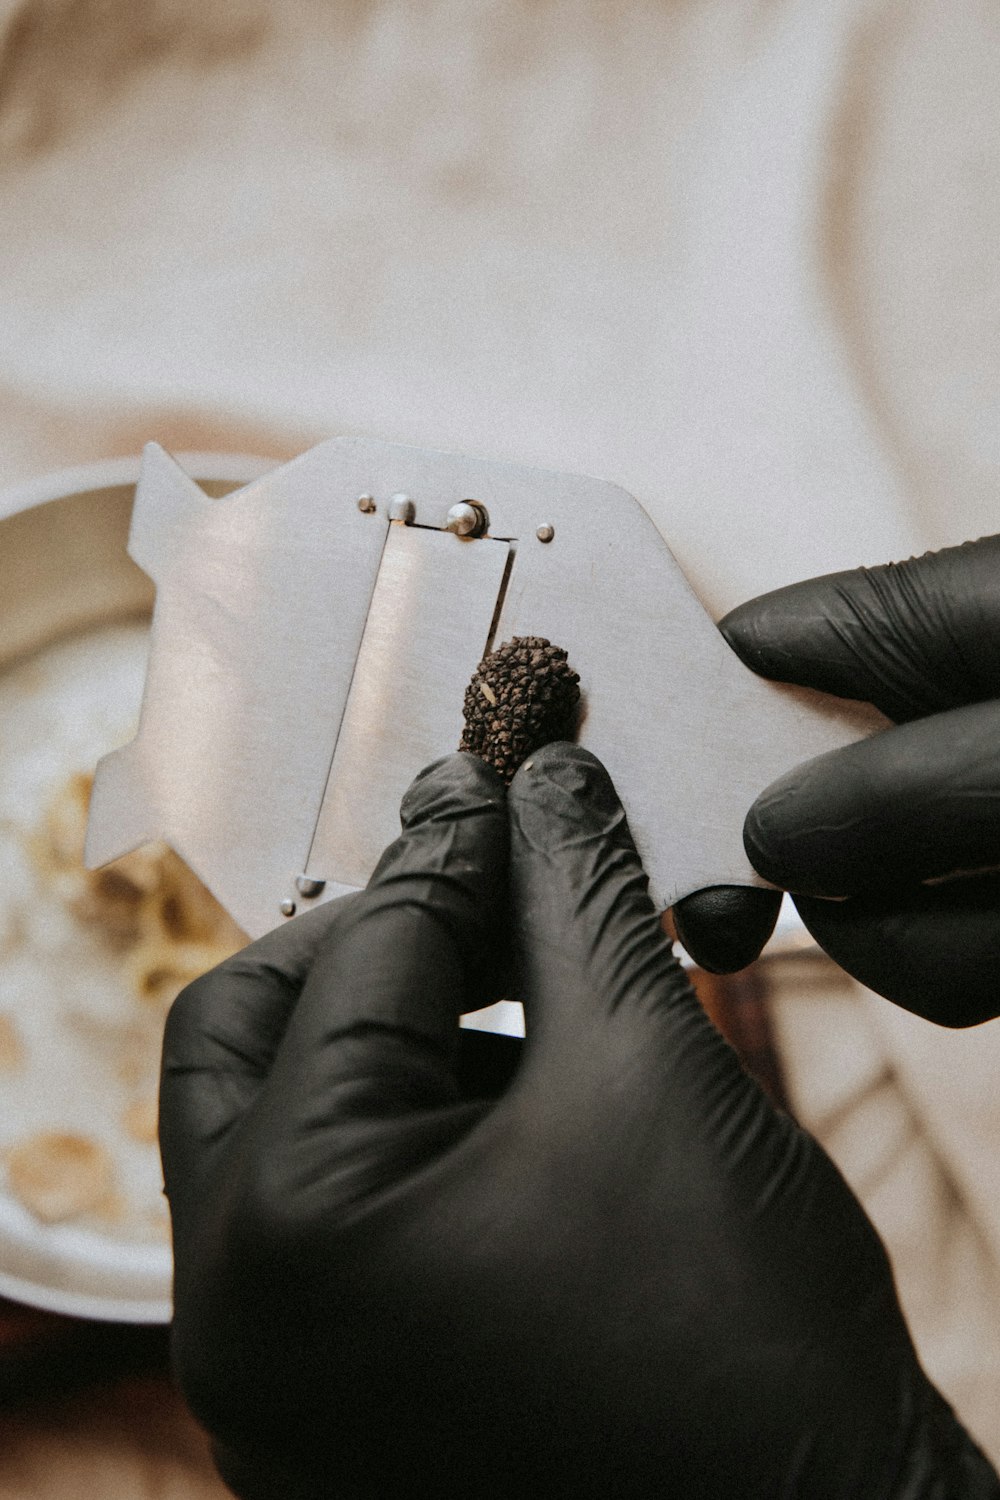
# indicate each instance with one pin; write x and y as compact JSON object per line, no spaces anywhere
{"x":522,"y":696}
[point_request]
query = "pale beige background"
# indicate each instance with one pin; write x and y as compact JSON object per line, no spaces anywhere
{"x":738,"y":257}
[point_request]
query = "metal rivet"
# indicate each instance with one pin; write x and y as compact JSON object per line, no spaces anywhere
{"x":402,"y":508}
{"x":468,"y":518}
{"x":287,"y":907}
{"x":366,"y":503}
{"x":306,"y":886}
{"x":545,"y":533}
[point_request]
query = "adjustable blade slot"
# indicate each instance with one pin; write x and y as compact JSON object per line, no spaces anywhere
{"x":435,"y":602}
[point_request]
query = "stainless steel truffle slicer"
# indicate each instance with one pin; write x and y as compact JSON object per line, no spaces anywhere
{"x":314,"y":633}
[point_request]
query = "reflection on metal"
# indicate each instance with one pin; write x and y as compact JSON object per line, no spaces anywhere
{"x":308,"y":887}
{"x":308,"y":657}
{"x":426,"y":632}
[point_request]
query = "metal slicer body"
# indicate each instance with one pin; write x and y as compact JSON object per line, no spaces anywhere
{"x":314,"y":632}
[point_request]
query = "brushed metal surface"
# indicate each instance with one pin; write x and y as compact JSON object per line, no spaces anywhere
{"x":427,"y":629}
{"x":261,"y":601}
{"x":262,"y":606}
{"x":688,"y":733}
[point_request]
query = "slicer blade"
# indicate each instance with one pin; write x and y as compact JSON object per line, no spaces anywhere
{"x":313,"y":633}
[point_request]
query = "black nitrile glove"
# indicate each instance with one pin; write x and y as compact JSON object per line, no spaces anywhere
{"x":626,"y":1276}
{"x":883,"y":821}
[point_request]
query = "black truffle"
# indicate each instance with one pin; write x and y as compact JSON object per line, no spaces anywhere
{"x":523,"y":696}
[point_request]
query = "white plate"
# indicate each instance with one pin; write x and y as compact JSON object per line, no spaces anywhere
{"x":65,"y":577}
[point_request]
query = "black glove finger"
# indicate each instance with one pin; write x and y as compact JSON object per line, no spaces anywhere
{"x":486,"y":1063}
{"x":912,"y":638}
{"x":931,"y":949}
{"x":585,"y":928}
{"x":614,"y":1029}
{"x":618,"y":1050}
{"x":914,"y":803}
{"x":365,"y":1081}
{"x":389,"y":968}
{"x":725,"y":927}
{"x":221,"y":1037}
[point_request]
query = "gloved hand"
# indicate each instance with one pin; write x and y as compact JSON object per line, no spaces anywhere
{"x":626,"y":1276}
{"x":884,"y":821}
